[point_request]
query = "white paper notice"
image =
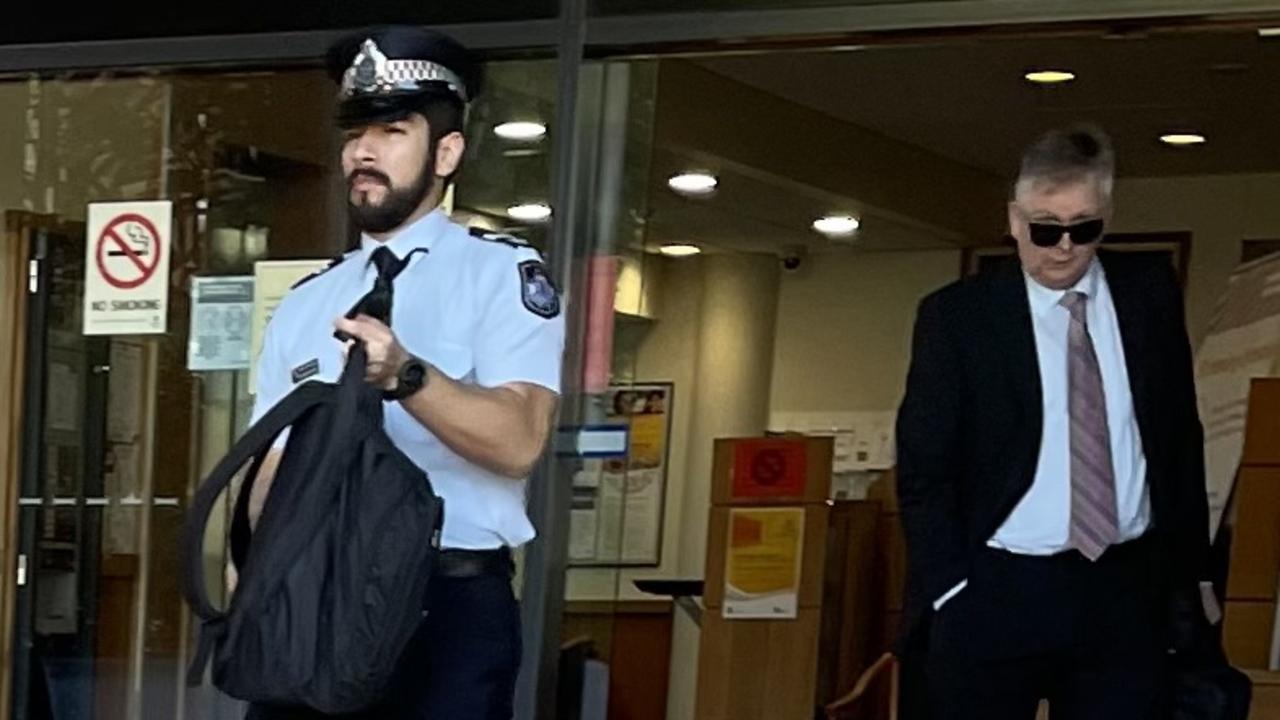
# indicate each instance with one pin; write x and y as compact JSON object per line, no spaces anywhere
{"x":221,"y":309}
{"x":272,"y":281}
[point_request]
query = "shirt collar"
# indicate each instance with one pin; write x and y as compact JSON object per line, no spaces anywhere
{"x":1044,"y":300}
{"x":421,"y":234}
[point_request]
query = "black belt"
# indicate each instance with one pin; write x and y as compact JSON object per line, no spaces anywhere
{"x":474,"y":563}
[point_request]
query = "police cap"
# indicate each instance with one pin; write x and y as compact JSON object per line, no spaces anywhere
{"x":386,"y":73}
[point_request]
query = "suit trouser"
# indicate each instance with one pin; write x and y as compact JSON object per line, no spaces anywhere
{"x":462,"y":663}
{"x":1089,"y":637}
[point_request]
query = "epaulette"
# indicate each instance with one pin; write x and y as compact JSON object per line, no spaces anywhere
{"x":333,"y":262}
{"x":491,"y":236}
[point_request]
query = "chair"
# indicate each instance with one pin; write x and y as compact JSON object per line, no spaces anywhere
{"x":849,"y":706}
{"x":853,"y":707}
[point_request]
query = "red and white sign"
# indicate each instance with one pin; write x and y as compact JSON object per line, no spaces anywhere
{"x":770,"y":468}
{"x":127,"y":268}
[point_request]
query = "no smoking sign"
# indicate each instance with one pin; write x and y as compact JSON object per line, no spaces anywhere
{"x":127,"y":268}
{"x":128,"y":251}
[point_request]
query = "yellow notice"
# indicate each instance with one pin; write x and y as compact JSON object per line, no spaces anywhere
{"x":272,"y":281}
{"x":762,"y":571}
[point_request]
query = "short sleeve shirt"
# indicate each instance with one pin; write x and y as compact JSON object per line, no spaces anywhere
{"x":481,"y":308}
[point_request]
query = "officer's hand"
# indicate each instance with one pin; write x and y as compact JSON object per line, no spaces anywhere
{"x":386,"y":354}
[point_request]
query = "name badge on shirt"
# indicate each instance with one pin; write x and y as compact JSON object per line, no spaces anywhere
{"x":306,"y":370}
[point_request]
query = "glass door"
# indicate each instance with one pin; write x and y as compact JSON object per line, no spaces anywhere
{"x":119,"y":429}
{"x":69,"y":623}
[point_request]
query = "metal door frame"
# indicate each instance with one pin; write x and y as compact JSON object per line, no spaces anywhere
{"x":33,"y":321}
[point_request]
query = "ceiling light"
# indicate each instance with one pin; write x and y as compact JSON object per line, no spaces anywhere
{"x":529,"y":212}
{"x":1182,"y":139}
{"x":521,"y":130}
{"x":1050,"y":77}
{"x":523,"y":152}
{"x":1269,"y":32}
{"x":693,"y":183}
{"x":679,"y":250}
{"x":837,"y":225}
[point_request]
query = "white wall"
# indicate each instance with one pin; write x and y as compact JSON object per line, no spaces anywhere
{"x":844,"y":328}
{"x":1220,"y":211}
{"x":844,"y":321}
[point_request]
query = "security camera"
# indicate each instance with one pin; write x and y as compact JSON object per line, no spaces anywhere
{"x":793,"y":257}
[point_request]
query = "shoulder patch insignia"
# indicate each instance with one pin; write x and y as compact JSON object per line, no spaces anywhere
{"x":505,"y":239}
{"x":333,"y":262}
{"x":537,"y":291}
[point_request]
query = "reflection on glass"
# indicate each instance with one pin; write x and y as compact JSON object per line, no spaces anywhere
{"x":508,"y":165}
{"x":125,"y":428}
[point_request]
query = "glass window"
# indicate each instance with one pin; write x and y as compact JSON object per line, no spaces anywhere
{"x":123,"y":428}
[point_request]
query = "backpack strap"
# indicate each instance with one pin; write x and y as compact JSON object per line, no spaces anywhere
{"x":252,"y":446}
{"x":241,"y":532}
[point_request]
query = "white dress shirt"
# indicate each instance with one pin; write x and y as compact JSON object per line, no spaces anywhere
{"x":1041,"y":522}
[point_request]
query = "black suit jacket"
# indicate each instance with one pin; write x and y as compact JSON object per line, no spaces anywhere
{"x":969,"y":428}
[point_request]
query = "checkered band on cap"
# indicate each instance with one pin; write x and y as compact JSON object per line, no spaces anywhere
{"x":372,"y":73}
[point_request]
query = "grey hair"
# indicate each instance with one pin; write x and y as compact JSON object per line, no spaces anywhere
{"x":1069,"y":155}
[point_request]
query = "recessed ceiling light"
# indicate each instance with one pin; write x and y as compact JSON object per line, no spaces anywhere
{"x":837,"y":225}
{"x":1182,"y":139}
{"x":522,"y":152}
{"x":529,"y":212}
{"x":1227,"y":68}
{"x":679,"y":250}
{"x":520,"y":130}
{"x":1050,"y":77}
{"x":693,"y":183}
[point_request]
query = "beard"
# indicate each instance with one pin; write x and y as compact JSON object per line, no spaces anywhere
{"x":397,"y":205}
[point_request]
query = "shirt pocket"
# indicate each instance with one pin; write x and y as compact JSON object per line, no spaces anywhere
{"x":453,"y":359}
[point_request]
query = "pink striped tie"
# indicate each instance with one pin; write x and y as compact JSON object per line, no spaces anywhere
{"x":1093,"y":490}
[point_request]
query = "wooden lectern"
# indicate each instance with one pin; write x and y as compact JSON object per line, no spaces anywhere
{"x":766,"y":556}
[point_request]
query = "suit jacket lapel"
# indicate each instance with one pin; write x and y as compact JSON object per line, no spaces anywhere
{"x":1126,"y":295}
{"x":1018,"y":345}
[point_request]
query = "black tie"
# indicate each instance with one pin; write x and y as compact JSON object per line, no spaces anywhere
{"x":377,"y":302}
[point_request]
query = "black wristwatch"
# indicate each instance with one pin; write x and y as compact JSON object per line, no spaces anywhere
{"x":410,"y":378}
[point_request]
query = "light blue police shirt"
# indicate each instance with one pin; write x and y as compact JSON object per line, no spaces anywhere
{"x":480,"y":309}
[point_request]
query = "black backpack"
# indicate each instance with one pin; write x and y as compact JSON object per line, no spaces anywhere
{"x":333,"y":583}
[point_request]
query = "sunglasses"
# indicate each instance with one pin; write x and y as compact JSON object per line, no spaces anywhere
{"x":1049,"y":234}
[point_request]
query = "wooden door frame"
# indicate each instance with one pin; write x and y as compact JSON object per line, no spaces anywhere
{"x":14,"y":279}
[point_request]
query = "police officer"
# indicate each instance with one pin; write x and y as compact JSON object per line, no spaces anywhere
{"x":469,"y":365}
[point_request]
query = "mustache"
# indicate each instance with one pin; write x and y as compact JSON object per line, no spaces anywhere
{"x":369,"y":174}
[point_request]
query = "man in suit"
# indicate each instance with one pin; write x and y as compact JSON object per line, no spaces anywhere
{"x":1051,"y":471}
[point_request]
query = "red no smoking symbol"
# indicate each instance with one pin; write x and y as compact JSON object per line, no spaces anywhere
{"x":768,"y":467}
{"x":128,"y":251}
